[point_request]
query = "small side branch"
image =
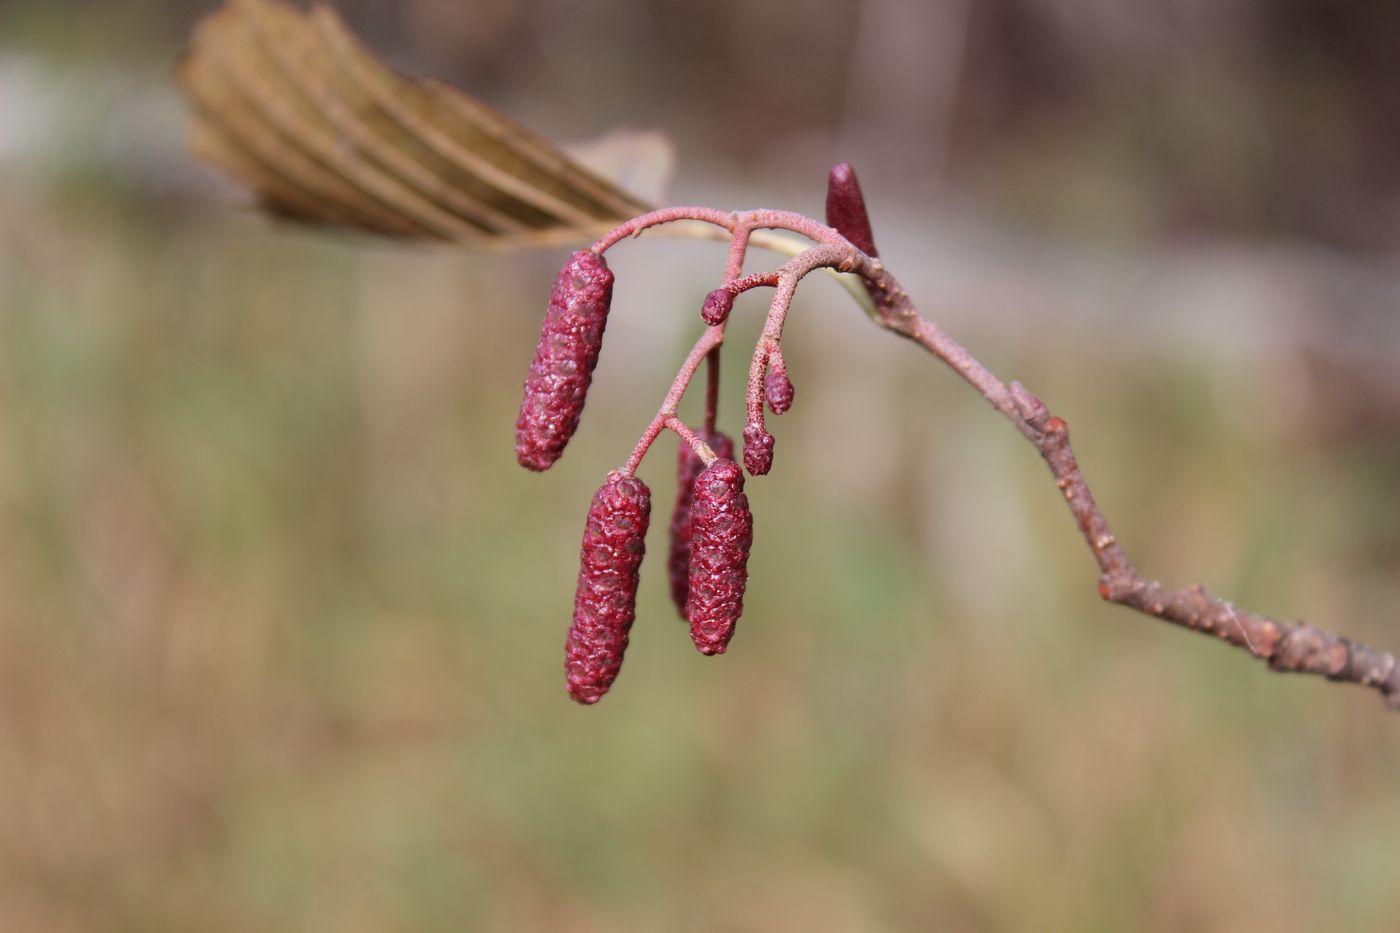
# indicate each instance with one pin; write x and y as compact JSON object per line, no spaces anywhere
{"x":1286,"y":647}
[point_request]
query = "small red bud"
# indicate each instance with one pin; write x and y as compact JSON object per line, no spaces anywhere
{"x":716,"y":307}
{"x":758,"y":449}
{"x":688,"y":467}
{"x":721,"y":536}
{"x":777,"y":388}
{"x":605,"y":603}
{"x":845,"y":208}
{"x":570,"y":341}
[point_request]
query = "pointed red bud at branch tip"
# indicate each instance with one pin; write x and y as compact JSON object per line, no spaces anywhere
{"x":845,"y":208}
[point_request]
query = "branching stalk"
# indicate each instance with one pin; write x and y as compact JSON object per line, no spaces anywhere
{"x":1284,"y":646}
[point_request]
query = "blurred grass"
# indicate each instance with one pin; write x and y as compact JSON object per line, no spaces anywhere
{"x":281,"y":621}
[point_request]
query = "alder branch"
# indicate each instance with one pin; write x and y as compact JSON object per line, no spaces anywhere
{"x":1285,"y":646}
{"x":276,"y":90}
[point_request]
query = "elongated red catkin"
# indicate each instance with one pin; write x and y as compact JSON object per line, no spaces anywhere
{"x":614,"y":540}
{"x":721,"y":535}
{"x":688,"y":467}
{"x":570,"y":341}
{"x":845,"y":208}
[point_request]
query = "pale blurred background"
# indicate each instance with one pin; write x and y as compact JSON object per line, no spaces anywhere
{"x":281,"y":621}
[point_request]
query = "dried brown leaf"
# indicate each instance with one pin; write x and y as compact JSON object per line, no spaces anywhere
{"x":293,"y":106}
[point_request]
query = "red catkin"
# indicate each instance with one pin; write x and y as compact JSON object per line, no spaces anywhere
{"x":778,"y":390}
{"x":845,"y":208}
{"x":716,"y":306}
{"x":688,"y":467}
{"x":605,"y":604}
{"x":570,"y":341}
{"x":721,"y":536}
{"x":758,"y":448}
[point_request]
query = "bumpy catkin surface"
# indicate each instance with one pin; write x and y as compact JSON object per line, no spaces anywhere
{"x":688,"y":467}
{"x":570,"y":341}
{"x":721,"y":536}
{"x":605,"y":603}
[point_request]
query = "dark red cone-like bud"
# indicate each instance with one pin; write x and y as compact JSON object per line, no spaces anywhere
{"x":758,"y":449}
{"x":721,"y":536}
{"x":716,"y":306}
{"x":777,"y":388}
{"x":845,"y":208}
{"x":570,"y":340}
{"x":614,"y":540}
{"x":688,"y":467}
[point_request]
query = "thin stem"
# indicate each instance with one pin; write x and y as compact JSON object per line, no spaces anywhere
{"x":757,"y":279}
{"x":1286,"y":647}
{"x":709,"y":340}
{"x":753,"y":220}
{"x":696,"y":442}
{"x":734,"y":266}
{"x":711,"y":391}
{"x":666,"y":215}
{"x":776,"y":363}
{"x":738,"y":248}
{"x":712,"y":227}
{"x":844,"y":257}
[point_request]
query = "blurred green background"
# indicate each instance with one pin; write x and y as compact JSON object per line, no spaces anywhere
{"x":281,"y":621}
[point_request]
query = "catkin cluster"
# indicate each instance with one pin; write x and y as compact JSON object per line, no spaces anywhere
{"x":711,"y":527}
{"x":711,"y":533}
{"x":711,"y":530}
